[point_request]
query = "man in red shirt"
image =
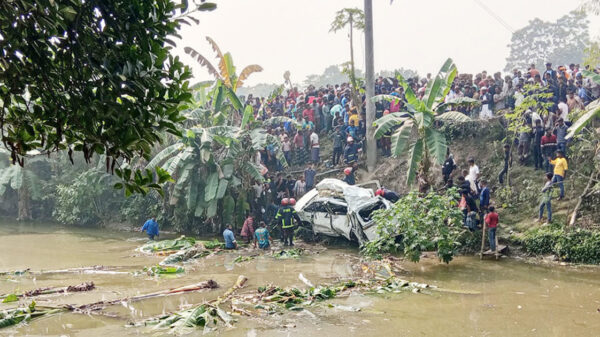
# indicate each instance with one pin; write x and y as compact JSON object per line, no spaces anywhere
{"x":491,"y":220}
{"x":549,"y":147}
{"x":308,"y":114}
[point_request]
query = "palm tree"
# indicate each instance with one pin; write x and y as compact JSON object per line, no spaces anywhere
{"x":354,"y":18}
{"x":226,"y":71}
{"x":416,"y":132}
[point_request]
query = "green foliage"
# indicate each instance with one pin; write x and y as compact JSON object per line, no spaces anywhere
{"x":185,"y":321}
{"x":592,"y":55}
{"x":560,"y":42}
{"x":91,"y":76}
{"x":416,"y":224}
{"x":214,"y":244}
{"x":88,"y":200}
{"x":529,"y":190}
{"x":183,"y":242}
{"x":225,"y":73}
{"x":415,"y":128}
{"x":569,"y":244}
{"x":163,"y":270}
{"x":137,"y":208}
{"x":348,"y":16}
{"x":10,"y":298}
{"x":214,"y":163}
{"x":293,"y":253}
{"x":14,"y":316}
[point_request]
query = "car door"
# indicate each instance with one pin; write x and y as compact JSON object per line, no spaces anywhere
{"x":318,"y":215}
{"x":338,"y":218}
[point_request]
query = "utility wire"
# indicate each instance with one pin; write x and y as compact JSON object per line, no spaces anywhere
{"x":495,"y":16}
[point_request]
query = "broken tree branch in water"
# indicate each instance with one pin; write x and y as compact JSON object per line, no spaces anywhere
{"x":210,"y":284}
{"x":86,"y":286}
{"x":239,"y":283}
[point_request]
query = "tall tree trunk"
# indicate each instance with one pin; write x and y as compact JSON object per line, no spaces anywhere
{"x":370,"y":87}
{"x":24,"y":208}
{"x":423,"y":173}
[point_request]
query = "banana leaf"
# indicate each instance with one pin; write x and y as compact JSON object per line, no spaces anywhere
{"x":293,"y":253}
{"x":182,"y":242}
{"x":163,"y":270}
{"x":11,"y":317}
{"x":214,"y":244}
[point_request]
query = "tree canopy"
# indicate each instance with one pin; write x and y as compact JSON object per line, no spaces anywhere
{"x":94,"y":76}
{"x":560,"y":42}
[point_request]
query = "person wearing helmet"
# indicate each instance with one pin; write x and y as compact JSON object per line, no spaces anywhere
{"x":387,"y":194}
{"x":349,"y":178}
{"x":292,"y":202}
{"x":285,"y":217}
{"x":351,"y":152}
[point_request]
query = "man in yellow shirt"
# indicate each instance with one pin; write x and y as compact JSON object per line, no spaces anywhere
{"x":560,"y":168}
{"x":353,"y":117}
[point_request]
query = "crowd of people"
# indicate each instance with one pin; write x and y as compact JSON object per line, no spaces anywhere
{"x":331,"y":112}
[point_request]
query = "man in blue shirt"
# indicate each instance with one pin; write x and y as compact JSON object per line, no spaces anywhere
{"x":230,"y":242}
{"x":151,"y":228}
{"x":484,"y":199}
{"x":261,"y":235}
{"x":309,"y":177}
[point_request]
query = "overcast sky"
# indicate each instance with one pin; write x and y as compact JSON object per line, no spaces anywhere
{"x":294,"y":35}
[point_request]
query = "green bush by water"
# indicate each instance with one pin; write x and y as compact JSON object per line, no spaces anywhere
{"x":572,"y":245}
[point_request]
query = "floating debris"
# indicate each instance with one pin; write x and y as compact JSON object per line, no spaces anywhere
{"x":163,"y":270}
{"x":241,"y":259}
{"x":174,"y":245}
{"x":293,"y":253}
{"x":86,"y":286}
{"x":11,"y":317}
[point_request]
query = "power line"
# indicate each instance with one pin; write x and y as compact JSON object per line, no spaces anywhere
{"x":495,"y":16}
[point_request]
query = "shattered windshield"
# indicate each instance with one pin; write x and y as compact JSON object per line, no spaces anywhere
{"x":366,"y":212}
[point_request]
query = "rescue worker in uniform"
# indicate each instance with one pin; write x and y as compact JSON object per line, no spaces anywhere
{"x":350,"y":152}
{"x":286,"y":216}
{"x":349,"y":178}
{"x":387,"y":194}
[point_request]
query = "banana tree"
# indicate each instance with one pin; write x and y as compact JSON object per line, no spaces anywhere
{"x":214,"y":168}
{"x":592,"y":110}
{"x":25,"y":183}
{"x":414,"y":134}
{"x":226,"y":71}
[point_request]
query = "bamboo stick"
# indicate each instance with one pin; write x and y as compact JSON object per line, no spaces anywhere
{"x":482,"y":240}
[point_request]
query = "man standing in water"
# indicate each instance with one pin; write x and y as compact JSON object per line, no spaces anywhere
{"x":262,"y":237}
{"x":151,"y":228}
{"x":286,"y":216}
{"x":229,"y":238}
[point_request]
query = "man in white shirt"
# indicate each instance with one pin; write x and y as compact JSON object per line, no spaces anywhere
{"x":563,"y":110}
{"x":473,"y":175}
{"x":314,"y":146}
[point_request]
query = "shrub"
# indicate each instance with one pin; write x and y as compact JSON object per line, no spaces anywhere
{"x":432,"y":222}
{"x":573,"y":245}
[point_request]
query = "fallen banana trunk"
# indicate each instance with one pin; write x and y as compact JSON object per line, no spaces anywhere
{"x":10,"y":317}
{"x":210,"y":284}
{"x":239,"y":283}
{"x":206,"y":315}
{"x":86,"y":286}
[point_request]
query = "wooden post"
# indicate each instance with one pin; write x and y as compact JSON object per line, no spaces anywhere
{"x":482,"y":240}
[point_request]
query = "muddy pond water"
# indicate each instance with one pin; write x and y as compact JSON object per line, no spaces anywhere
{"x":515,"y":298}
